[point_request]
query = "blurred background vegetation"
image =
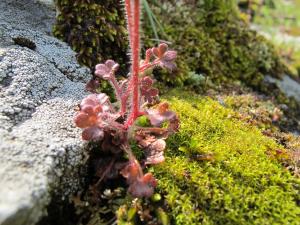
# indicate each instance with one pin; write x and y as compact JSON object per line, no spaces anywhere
{"x":279,"y":21}
{"x":213,"y":39}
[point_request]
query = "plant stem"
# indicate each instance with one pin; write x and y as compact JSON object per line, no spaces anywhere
{"x":117,"y":88}
{"x":148,"y":65}
{"x":132,"y":158}
{"x":133,"y":17}
{"x":135,"y":59}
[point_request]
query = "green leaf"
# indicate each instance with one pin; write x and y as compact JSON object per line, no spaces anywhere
{"x":163,"y":216}
{"x":150,"y":16}
{"x":131,"y":214}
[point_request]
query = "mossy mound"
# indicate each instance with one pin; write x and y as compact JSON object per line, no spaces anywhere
{"x":210,"y":37}
{"x":219,"y":170}
{"x":212,"y":40}
{"x":95,"y":29}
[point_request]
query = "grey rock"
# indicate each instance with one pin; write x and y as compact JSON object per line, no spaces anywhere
{"x":41,"y":150}
{"x":287,"y":85}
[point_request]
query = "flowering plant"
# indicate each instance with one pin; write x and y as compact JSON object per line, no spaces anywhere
{"x":114,"y":125}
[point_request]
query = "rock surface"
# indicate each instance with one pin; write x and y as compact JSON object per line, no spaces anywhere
{"x":40,"y":85}
{"x":287,"y":85}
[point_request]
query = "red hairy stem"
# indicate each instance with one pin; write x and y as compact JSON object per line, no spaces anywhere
{"x":123,"y":104}
{"x":117,"y":88}
{"x":121,"y":98}
{"x":135,"y":43}
{"x":129,"y":19}
{"x":132,"y":158}
{"x":135,"y":59}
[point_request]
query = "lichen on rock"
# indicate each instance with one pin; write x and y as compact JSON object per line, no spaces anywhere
{"x":39,"y":88}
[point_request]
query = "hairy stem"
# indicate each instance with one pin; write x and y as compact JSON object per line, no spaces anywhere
{"x":133,"y":17}
{"x":117,"y":88}
{"x":127,"y":149}
{"x":148,"y":65}
{"x":108,"y":169}
{"x":135,"y":59}
{"x":121,"y":97}
{"x":129,"y":18}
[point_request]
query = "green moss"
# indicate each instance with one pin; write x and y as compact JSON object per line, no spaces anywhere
{"x":260,"y":112}
{"x":238,"y":184}
{"x":95,"y":29}
{"x":214,"y":41}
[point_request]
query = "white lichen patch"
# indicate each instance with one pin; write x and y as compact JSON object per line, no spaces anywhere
{"x":41,"y":150}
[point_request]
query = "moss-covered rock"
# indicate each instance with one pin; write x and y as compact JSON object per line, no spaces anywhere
{"x":221,"y":171}
{"x":213,"y":40}
{"x":218,"y":170}
{"x":95,"y":29}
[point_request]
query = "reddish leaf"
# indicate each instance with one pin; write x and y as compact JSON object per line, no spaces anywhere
{"x":156,"y":52}
{"x":143,"y":187}
{"x":105,"y":71}
{"x":92,"y":85}
{"x":102,"y":70}
{"x":89,"y":109}
{"x":161,"y":114}
{"x":131,"y":172}
{"x":148,"y":93}
{"x":170,"y":55}
{"x":94,"y":133}
{"x":113,"y":140}
{"x":167,"y":60}
{"x":152,"y":143}
{"x":139,"y":185}
{"x":166,"y":57}
{"x":148,"y":55}
{"x":155,"y":152}
{"x":160,"y":50}
{"x":83,"y":120}
{"x":163,"y":47}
